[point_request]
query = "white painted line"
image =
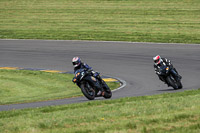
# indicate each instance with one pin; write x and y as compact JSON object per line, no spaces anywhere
{"x":123,"y":82}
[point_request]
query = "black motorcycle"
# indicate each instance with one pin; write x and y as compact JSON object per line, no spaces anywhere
{"x":170,"y":78}
{"x":87,"y":88}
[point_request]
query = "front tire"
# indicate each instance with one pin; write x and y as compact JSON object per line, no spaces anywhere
{"x":171,"y":82}
{"x":180,"y":86}
{"x":87,"y":91}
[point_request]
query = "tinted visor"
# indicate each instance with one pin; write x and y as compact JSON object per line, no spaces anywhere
{"x":156,"y":61}
{"x":75,"y":63}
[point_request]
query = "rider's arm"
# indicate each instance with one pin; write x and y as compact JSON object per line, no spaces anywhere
{"x":90,"y":68}
{"x":87,"y":66}
{"x":156,"y":70}
{"x":168,"y":62}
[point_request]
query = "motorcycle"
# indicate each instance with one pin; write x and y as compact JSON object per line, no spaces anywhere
{"x":87,"y":88}
{"x":170,"y":78}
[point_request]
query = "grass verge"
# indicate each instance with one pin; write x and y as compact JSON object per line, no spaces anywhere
{"x":172,"y":21}
{"x":173,"y":112}
{"x":19,"y":86}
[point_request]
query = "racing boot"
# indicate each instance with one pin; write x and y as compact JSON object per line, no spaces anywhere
{"x":101,"y":93}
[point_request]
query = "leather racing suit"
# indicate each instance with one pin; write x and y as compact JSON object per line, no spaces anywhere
{"x":168,"y":63}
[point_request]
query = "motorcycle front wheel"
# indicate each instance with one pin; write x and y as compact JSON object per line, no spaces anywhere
{"x":87,"y":91}
{"x":180,"y":86}
{"x":171,"y":82}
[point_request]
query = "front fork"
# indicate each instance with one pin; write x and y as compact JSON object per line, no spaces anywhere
{"x":175,"y":73}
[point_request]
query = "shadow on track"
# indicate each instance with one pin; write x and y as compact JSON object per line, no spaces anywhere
{"x":167,"y":90}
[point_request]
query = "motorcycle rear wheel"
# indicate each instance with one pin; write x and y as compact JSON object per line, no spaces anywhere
{"x":108,"y":93}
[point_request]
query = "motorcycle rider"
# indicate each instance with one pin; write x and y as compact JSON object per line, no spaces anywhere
{"x":158,"y":61}
{"x":78,"y":64}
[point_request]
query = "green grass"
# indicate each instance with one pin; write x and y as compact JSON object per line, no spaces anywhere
{"x":173,"y":112}
{"x":19,"y":86}
{"x":175,"y":21}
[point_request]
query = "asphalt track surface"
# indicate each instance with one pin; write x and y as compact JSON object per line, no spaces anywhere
{"x":131,"y":62}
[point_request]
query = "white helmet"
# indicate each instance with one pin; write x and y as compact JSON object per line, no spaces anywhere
{"x":157,"y":60}
{"x":76,"y":61}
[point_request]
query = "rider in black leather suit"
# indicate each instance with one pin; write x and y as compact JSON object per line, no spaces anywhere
{"x":78,"y":64}
{"x":158,"y":61}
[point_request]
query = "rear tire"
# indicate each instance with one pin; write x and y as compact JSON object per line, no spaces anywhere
{"x":89,"y":93}
{"x":108,"y":93}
